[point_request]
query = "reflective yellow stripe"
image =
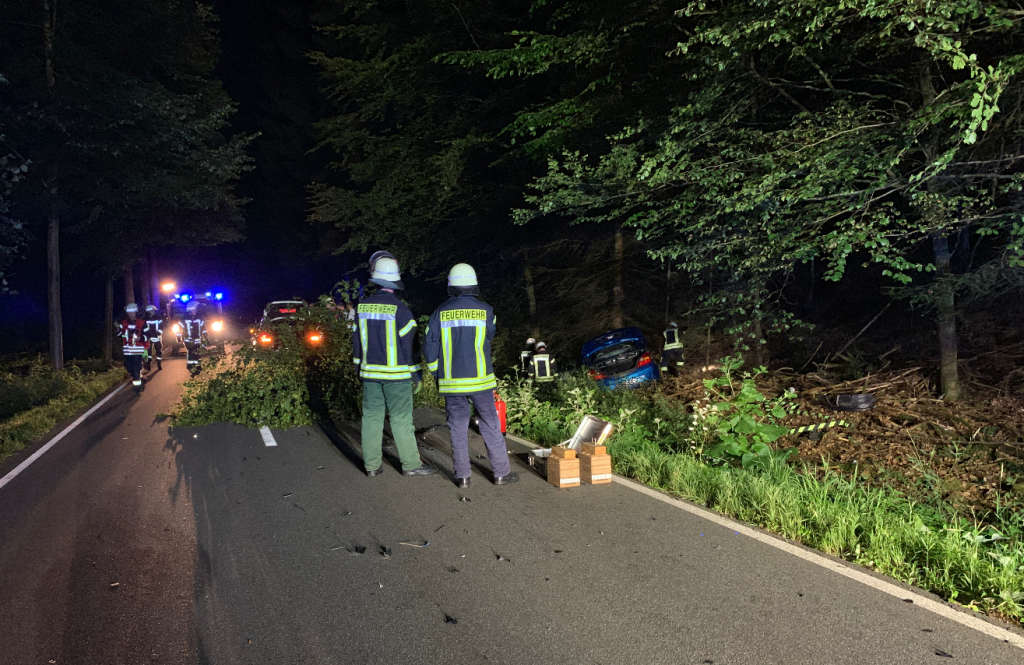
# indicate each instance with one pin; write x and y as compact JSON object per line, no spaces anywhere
{"x":450,"y":386}
{"x":446,"y":350}
{"x":363,"y":323}
{"x":385,"y":376}
{"x":409,"y":326}
{"x":389,"y":368}
{"x":478,"y":343}
{"x":392,"y":343}
{"x":432,"y":367}
{"x":355,"y":360}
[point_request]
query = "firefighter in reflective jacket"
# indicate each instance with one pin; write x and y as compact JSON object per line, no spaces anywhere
{"x":193,"y":332}
{"x":458,"y":353}
{"x":133,"y":343}
{"x":672,"y":353}
{"x":542,"y":365}
{"x":154,"y":335}
{"x":382,"y":348}
{"x":526,"y":354}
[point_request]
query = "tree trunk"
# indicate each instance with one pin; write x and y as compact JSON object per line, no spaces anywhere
{"x":531,"y":299}
{"x":56,"y":319}
{"x":53,"y":284}
{"x":760,"y":352}
{"x":129,"y":284}
{"x":145,"y":285}
{"x":618,"y":294}
{"x":108,"y":320}
{"x":668,"y":293}
{"x":945,"y":303}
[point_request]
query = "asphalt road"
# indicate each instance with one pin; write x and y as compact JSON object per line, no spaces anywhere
{"x":225,"y":550}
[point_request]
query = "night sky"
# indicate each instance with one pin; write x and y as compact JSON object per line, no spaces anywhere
{"x":264,"y":69}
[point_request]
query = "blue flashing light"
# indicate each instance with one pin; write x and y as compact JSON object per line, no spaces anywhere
{"x":218,"y":296}
{"x":208,"y":294}
{"x":185,"y":297}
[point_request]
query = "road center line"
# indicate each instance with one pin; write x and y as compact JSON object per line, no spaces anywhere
{"x":52,"y":442}
{"x":836,"y":566}
{"x":268,"y":437}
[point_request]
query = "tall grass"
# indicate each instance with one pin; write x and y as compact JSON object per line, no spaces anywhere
{"x":660,"y":444}
{"x":57,"y":396}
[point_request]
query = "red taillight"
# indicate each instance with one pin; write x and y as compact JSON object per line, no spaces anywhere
{"x":597,"y":376}
{"x":644,"y":360}
{"x":266,"y":339}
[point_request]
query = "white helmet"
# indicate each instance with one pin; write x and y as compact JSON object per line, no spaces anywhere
{"x":530,"y":341}
{"x":541,"y":345}
{"x":379,"y":254}
{"x":150,"y":308}
{"x":131,"y":308}
{"x":462,"y":275}
{"x":385,"y":273}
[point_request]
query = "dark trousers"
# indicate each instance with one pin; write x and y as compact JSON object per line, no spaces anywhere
{"x":672,"y":361}
{"x":133,"y":365}
{"x":192,"y":351}
{"x":156,"y":350}
{"x":457,"y":409}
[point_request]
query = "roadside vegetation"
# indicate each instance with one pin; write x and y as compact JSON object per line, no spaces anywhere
{"x":34,"y":397}
{"x":731,"y":451}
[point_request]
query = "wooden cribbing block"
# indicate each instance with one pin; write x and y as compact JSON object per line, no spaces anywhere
{"x":593,"y":449}
{"x":563,"y":453}
{"x":596,"y":469}
{"x":564,"y":472}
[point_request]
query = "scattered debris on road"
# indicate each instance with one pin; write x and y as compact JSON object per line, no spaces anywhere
{"x":450,"y":619}
{"x":356,"y":549}
{"x":419,"y":545}
{"x":114,"y":585}
{"x":287,"y":494}
{"x":385,"y":551}
{"x":464,"y":499}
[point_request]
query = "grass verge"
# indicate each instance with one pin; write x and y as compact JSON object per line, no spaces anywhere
{"x":976,"y":562}
{"x":77,"y":391}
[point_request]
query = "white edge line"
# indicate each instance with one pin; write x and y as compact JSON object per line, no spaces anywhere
{"x":268,"y":436}
{"x":52,"y":442}
{"x":817,"y":559}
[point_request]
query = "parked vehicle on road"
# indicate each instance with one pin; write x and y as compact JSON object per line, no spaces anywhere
{"x":619,"y":358}
{"x":285,"y":317}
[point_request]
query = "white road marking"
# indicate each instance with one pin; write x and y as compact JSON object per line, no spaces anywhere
{"x":268,"y":436}
{"x":894,"y":590}
{"x":52,"y":442}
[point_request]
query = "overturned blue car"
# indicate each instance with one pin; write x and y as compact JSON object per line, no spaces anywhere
{"x":619,"y":358}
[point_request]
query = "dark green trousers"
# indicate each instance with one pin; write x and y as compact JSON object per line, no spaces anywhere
{"x":393,"y":398}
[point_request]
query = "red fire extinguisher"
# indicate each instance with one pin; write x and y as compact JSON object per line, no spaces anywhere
{"x":502,"y":409}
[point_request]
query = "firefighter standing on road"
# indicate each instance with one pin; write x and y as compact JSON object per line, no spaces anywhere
{"x":458,"y":353}
{"x":672,"y":353}
{"x":382,"y":349}
{"x":194,"y":335}
{"x":133,"y":343}
{"x":154,"y":335}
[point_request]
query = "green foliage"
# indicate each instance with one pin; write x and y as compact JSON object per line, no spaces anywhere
{"x":50,"y":399}
{"x":290,"y":385}
{"x":30,"y":386}
{"x":741,"y":421}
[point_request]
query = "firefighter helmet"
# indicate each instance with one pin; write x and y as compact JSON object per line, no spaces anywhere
{"x":462,"y":275}
{"x":386,"y":274}
{"x":541,"y":345}
{"x":150,"y":308}
{"x":131,"y":308}
{"x":379,"y":254}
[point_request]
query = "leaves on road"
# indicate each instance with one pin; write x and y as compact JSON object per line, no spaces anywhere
{"x":356,"y":549}
{"x":385,"y":551}
{"x":450,"y":619}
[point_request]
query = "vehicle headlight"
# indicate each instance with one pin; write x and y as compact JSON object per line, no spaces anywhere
{"x":217,"y":326}
{"x":176,"y":329}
